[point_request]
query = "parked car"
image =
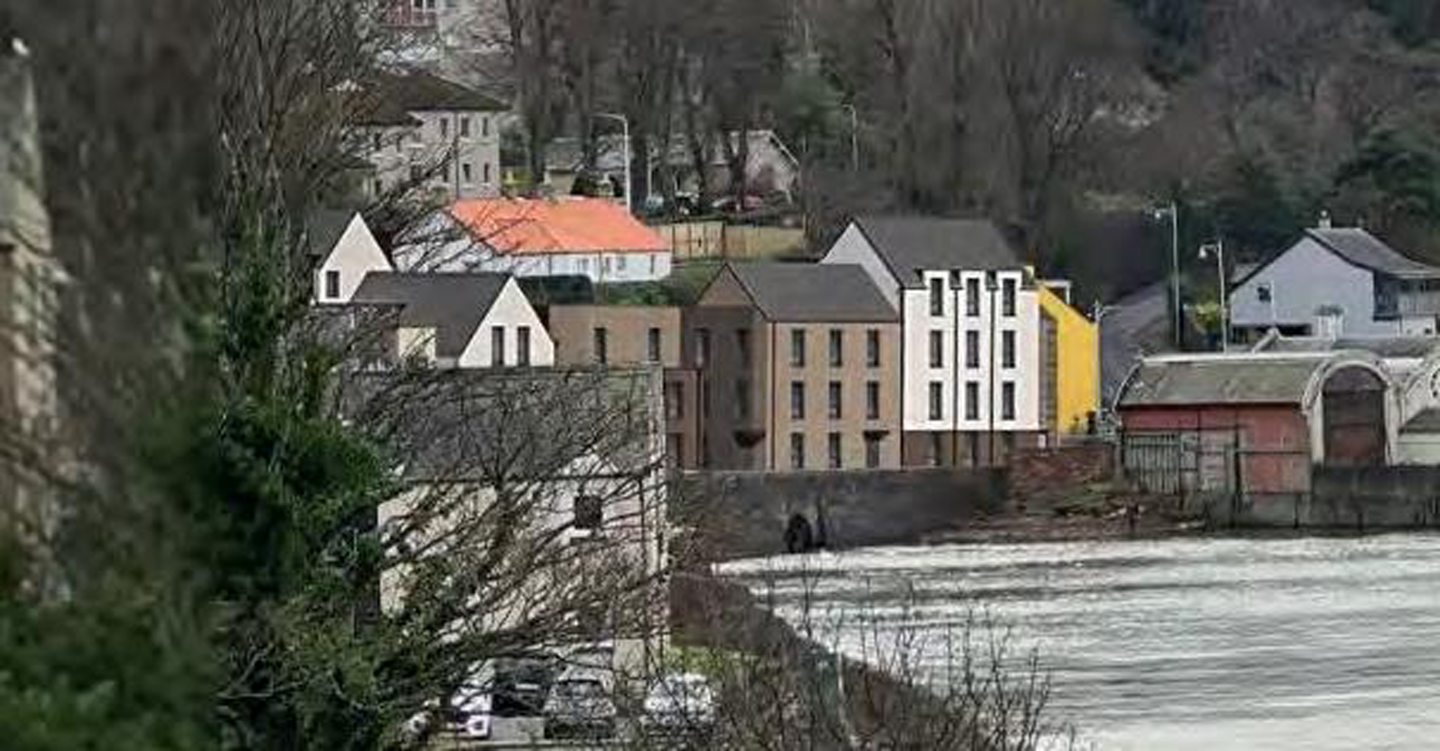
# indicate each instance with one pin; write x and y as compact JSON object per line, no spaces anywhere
{"x":522,"y":684}
{"x":467,"y":713}
{"x":680,"y":703}
{"x":581,"y":705}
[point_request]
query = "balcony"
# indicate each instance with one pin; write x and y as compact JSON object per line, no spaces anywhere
{"x":410,"y":14}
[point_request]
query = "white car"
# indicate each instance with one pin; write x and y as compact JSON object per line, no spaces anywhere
{"x":468,"y":713}
{"x":680,"y":702}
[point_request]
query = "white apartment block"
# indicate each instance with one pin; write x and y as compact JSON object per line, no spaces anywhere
{"x":971,"y":329}
{"x":418,"y":130}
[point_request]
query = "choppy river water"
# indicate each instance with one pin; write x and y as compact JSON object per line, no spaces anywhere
{"x":1185,"y":644}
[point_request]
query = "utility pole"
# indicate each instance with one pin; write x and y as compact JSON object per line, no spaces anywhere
{"x":1218,"y":248}
{"x":625,"y":134}
{"x":1173,"y":211}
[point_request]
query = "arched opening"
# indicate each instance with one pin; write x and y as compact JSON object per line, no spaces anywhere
{"x":799,"y":535}
{"x":1354,"y":412}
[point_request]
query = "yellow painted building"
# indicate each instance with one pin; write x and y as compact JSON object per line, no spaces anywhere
{"x":1076,"y":362}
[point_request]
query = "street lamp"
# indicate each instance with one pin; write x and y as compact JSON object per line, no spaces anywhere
{"x":1217,"y":249}
{"x":1173,"y":212}
{"x":625,"y":131}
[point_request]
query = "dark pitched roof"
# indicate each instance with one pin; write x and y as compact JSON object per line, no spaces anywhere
{"x":1358,"y":247}
{"x":1397,"y":347}
{"x":465,"y":424}
{"x":324,"y":230}
{"x":1427,"y":421}
{"x":1209,"y":379}
{"x":813,"y":292}
{"x":452,"y":304}
{"x":909,"y":244}
{"x":389,"y":98}
{"x":418,"y":90}
{"x":1364,"y":249}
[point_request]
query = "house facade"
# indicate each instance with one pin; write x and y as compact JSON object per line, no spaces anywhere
{"x":566,"y":236}
{"x":560,"y":467}
{"x":344,"y":251}
{"x":634,"y":336}
{"x":1344,"y":281}
{"x":1070,"y":356}
{"x":973,"y":366}
{"x":465,"y":321}
{"x":798,"y":369}
{"x":418,"y":130}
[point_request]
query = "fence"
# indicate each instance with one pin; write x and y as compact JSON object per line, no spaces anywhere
{"x":714,"y":239}
{"x":1214,"y":468}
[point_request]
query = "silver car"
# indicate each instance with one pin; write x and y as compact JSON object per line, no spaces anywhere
{"x":580,"y":705}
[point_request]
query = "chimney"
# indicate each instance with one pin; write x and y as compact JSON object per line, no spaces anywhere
{"x":1324,"y":220}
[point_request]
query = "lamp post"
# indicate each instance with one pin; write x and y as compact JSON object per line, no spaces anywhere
{"x":1173,"y":212}
{"x":1218,"y":249}
{"x":625,"y":134}
{"x":854,"y":137}
{"x":991,"y":285}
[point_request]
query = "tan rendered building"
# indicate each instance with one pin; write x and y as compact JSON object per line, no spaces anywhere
{"x":634,"y":336}
{"x":798,"y":369}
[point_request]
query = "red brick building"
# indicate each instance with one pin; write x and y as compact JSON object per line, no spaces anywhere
{"x":1254,"y":424}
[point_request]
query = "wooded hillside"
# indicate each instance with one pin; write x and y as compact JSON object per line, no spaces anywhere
{"x":1065,"y":120}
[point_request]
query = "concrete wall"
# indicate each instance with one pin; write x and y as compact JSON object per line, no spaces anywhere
{"x":1077,"y":376}
{"x":743,"y":514}
{"x":1352,"y":499}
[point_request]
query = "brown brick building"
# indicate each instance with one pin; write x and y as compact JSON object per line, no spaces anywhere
{"x":798,"y":369}
{"x":631,"y":336}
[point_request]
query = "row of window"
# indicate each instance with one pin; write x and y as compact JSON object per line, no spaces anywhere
{"x":972,"y":349}
{"x":497,"y":346}
{"x":834,"y":450}
{"x":798,"y":348}
{"x":1008,"y":288}
{"x":467,"y":174}
{"x":835,"y":399}
{"x":443,"y":124}
{"x":600,"y":345}
{"x":972,"y":400}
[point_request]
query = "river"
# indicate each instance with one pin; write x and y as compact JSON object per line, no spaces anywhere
{"x":1182,"y":644}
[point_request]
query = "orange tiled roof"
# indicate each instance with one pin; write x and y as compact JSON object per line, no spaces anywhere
{"x":561,"y":225}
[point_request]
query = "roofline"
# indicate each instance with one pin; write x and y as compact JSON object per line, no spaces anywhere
{"x":884,"y":258}
{"x":1310,"y":232}
{"x":730,"y":266}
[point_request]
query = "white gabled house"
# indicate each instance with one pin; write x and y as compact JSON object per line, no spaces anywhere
{"x":474,"y":320}
{"x":344,"y":251}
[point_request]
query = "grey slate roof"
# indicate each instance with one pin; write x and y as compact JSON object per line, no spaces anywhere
{"x":911,"y":243}
{"x":1427,"y":421}
{"x":324,"y":230}
{"x":1241,"y":379}
{"x":803,"y":292}
{"x":390,"y":96}
{"x":452,"y":304}
{"x":1390,"y":347}
{"x":1364,"y":249}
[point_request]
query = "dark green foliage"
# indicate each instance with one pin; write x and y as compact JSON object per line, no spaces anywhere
{"x":1253,"y":210}
{"x":1174,"y":31}
{"x":1414,"y":22}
